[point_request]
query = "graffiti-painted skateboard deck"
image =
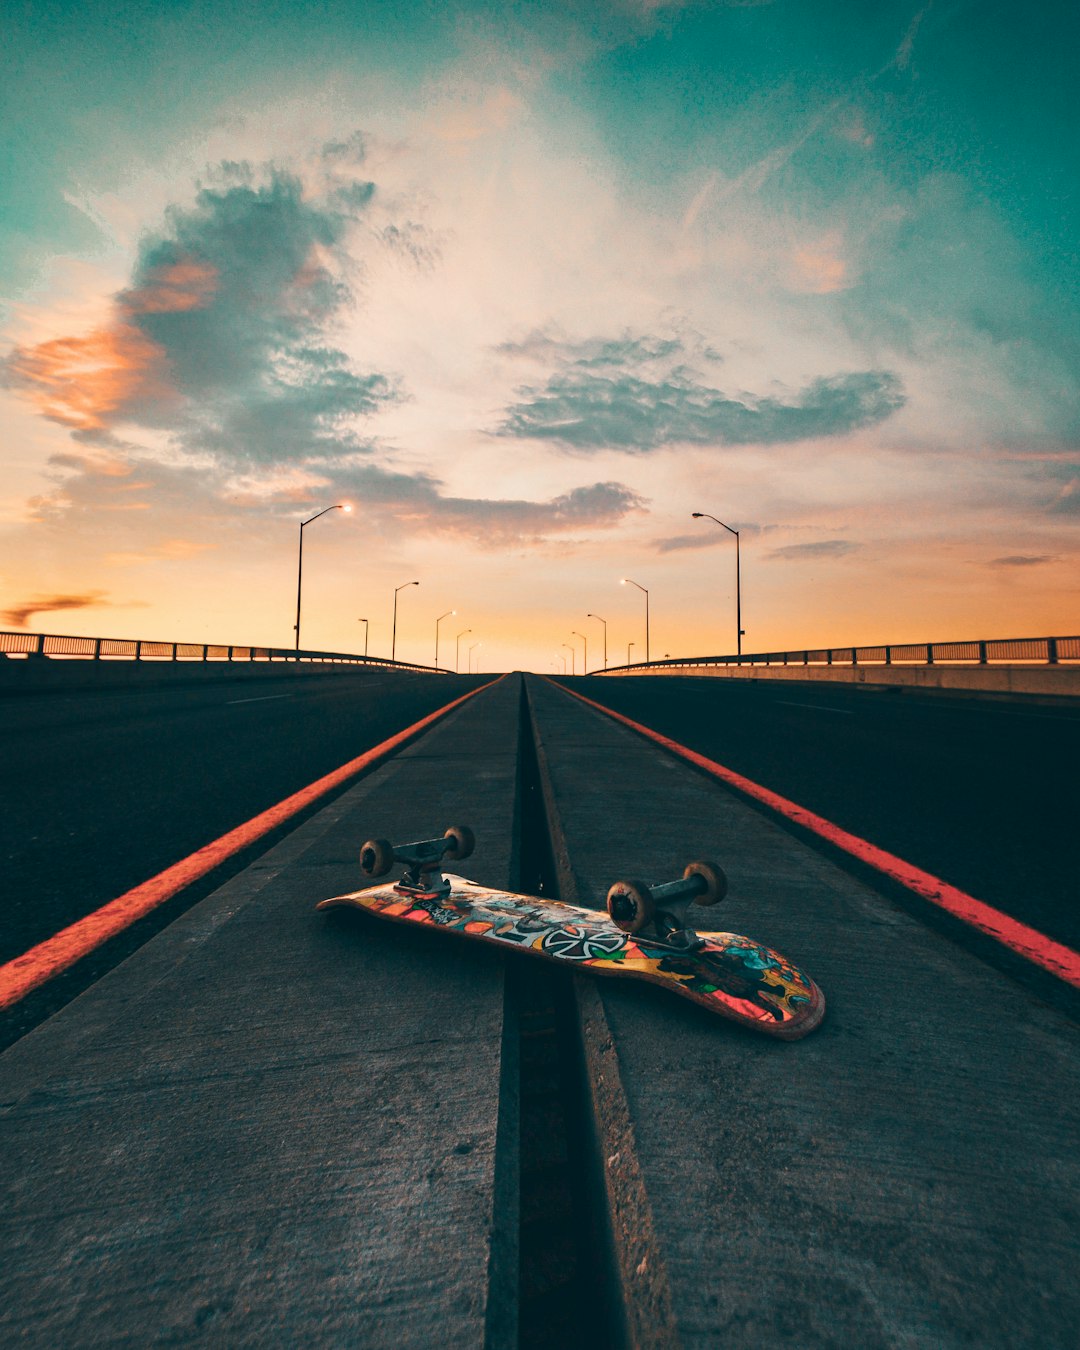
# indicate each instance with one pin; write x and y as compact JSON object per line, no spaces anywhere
{"x":731,"y":975}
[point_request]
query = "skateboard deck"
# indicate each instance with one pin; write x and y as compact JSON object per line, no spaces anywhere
{"x":727,"y":973}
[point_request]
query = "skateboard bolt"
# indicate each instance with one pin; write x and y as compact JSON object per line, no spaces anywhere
{"x":622,"y":907}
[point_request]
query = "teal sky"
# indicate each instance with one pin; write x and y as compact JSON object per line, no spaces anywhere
{"x":539,"y":280}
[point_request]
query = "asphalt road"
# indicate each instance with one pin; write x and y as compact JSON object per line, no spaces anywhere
{"x":983,"y":794}
{"x":106,"y":789}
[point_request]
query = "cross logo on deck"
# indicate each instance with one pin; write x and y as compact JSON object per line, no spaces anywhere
{"x":645,"y":934}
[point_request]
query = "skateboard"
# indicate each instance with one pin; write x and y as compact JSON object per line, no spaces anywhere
{"x":645,"y":933}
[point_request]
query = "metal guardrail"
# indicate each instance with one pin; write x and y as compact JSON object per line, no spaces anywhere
{"x":143,"y":649}
{"x":1036,"y":651}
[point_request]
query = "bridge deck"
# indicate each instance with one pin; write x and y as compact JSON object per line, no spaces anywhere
{"x":271,"y":1126}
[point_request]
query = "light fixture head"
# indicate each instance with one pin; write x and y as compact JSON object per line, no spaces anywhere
{"x":346,"y":507}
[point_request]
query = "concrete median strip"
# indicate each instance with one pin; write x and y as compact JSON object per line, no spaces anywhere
{"x":56,"y":954}
{"x":1027,"y":942}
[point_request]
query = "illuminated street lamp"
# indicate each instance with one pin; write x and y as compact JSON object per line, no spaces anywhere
{"x":573,"y":656}
{"x":698,"y":515}
{"x":585,"y":654}
{"x":338,"y":506}
{"x":437,"y":622}
{"x":627,"y":582}
{"x":457,"y":650}
{"x":604,"y":622}
{"x":393,"y":635}
{"x":365,"y":623}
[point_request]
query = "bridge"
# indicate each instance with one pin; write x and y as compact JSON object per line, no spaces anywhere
{"x":229,"y":1119}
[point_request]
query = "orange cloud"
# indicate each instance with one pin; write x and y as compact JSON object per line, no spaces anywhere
{"x":175,"y":287}
{"x":86,"y":382}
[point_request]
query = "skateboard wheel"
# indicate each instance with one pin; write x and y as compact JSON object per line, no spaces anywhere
{"x":630,"y":905}
{"x":376,"y":857}
{"x":464,"y":841}
{"x":715,"y":881}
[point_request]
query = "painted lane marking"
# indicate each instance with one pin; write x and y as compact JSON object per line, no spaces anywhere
{"x":24,"y":973}
{"x":262,"y":698}
{"x":816,"y":707}
{"x":1028,"y":942}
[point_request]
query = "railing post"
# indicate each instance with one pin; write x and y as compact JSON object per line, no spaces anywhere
{"x":929,"y":653}
{"x":1051,"y":651}
{"x":206,"y":651}
{"x":888,"y":656}
{"x":828,"y":657}
{"x":854,"y":656}
{"x":230,"y":653}
{"x":982,"y":653}
{"x":174,"y":647}
{"x":39,"y":650}
{"x":806,"y":658}
{"x":138,"y":650}
{"x":97,"y":649}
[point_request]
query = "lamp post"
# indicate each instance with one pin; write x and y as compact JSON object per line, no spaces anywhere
{"x":604,"y":622}
{"x":365,"y":623}
{"x":457,"y":650}
{"x":573,"y":656}
{"x":437,"y":622}
{"x":698,"y":515}
{"x":628,"y":646}
{"x":627,"y":582}
{"x":393,"y":635}
{"x":471,"y":650}
{"x":563,"y":660}
{"x":338,"y":506}
{"x":585,"y":654}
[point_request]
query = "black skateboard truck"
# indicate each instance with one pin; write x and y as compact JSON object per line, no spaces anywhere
{"x":660,"y":912}
{"x":422,"y":860}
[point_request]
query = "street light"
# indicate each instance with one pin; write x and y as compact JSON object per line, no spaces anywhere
{"x":627,"y":582}
{"x":393,"y":635}
{"x":563,"y":660}
{"x":604,"y":622}
{"x":585,"y":654}
{"x":628,"y":646}
{"x":365,"y":623}
{"x":338,"y":506}
{"x":437,"y":622}
{"x":573,"y":656}
{"x":471,"y":650}
{"x":698,"y":515}
{"x":457,"y":650}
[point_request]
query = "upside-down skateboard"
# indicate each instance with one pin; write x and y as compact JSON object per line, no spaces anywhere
{"x":645,"y":935}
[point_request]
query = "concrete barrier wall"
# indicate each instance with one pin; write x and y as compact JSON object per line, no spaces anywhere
{"x":1047,"y":681}
{"x":39,"y":675}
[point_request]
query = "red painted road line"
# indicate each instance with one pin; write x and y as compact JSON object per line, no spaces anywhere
{"x":1028,"y":942}
{"x":19,"y":976}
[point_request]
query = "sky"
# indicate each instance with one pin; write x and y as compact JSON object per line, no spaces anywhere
{"x":526,"y":285}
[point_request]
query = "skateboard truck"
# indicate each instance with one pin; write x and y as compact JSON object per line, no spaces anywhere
{"x":660,"y":912}
{"x":423,"y":860}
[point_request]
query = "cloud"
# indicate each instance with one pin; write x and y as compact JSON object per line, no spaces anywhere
{"x":824,"y":548}
{"x":222,"y":339}
{"x":389,"y":502}
{"x":638,"y":394}
{"x":47,"y":604}
{"x":1024,"y":560}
